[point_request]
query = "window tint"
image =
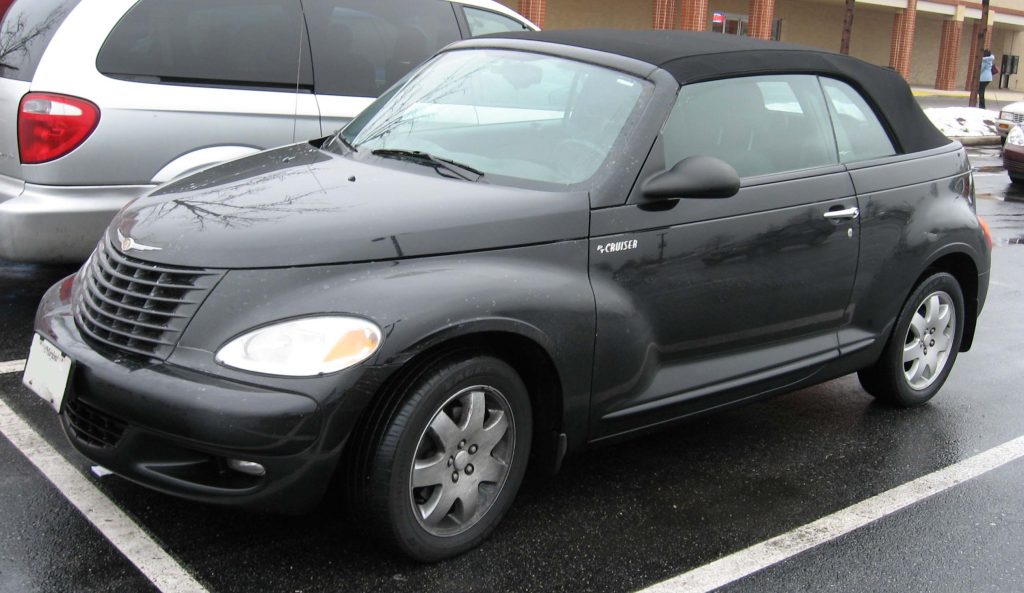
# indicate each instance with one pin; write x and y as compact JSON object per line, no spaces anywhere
{"x":362,"y":47}
{"x":234,"y":42}
{"x":858,"y":132}
{"x":25,"y":33}
{"x":482,"y":22}
{"x":759,"y":125}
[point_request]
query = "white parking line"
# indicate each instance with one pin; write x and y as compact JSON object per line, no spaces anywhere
{"x":111,"y":521}
{"x":767,"y":553}
{"x":13,"y":366}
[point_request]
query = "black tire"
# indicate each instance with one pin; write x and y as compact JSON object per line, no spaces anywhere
{"x":1016,"y":180}
{"x":901,"y":383}
{"x":392,"y":509}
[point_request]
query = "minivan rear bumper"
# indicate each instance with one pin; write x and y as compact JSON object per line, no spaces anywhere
{"x":54,"y":224}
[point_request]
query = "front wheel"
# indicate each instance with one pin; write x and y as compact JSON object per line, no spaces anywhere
{"x":923,"y":345}
{"x":449,"y":459}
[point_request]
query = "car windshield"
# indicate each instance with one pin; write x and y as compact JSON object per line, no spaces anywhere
{"x":505,"y":114}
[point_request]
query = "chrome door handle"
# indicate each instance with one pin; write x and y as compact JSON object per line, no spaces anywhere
{"x":851,"y":213}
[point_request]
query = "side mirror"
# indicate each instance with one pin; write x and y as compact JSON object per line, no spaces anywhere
{"x":694,"y":177}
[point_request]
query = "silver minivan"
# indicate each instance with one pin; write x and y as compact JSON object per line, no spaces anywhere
{"x":101,"y":100}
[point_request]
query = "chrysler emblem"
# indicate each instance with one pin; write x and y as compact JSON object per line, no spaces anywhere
{"x":127,"y":244}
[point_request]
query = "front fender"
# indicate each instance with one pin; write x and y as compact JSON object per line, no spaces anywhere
{"x":540,"y":292}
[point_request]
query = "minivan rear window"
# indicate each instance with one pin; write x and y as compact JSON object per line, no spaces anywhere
{"x":246,"y":43}
{"x":26,"y":31}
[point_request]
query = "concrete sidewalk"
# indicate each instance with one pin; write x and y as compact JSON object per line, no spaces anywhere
{"x":1002,"y":96}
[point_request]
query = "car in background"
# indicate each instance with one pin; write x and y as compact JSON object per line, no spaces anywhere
{"x":1009,"y":116}
{"x":535,"y":244}
{"x":102,"y":100}
{"x":1013,"y":154}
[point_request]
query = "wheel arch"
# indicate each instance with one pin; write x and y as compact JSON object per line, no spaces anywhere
{"x":962,"y":267}
{"x":520,"y":345}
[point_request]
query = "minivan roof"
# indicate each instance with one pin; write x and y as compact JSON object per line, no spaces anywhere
{"x":694,"y":57}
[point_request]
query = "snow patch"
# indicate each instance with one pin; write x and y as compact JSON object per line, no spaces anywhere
{"x":963,"y":121}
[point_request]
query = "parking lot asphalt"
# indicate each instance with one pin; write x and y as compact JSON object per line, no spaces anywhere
{"x":616,"y":519}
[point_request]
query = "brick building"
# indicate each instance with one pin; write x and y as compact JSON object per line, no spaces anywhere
{"x":928,"y":41}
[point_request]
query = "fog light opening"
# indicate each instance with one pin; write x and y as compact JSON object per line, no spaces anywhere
{"x":249,"y":468}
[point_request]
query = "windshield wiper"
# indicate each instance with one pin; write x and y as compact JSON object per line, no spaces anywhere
{"x":458,"y":169}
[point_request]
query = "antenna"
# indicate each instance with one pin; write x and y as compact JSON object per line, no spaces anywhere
{"x":298,"y":71}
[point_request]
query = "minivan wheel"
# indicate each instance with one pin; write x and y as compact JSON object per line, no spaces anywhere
{"x":923,"y":345}
{"x":450,"y":459}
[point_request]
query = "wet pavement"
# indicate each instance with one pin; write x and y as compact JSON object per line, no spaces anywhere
{"x":616,"y":519}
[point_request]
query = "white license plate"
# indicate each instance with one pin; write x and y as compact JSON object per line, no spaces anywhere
{"x":47,"y":371}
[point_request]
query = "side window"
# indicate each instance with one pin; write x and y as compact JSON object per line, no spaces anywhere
{"x":482,"y":22}
{"x":858,"y":132}
{"x":228,"y":42}
{"x":757,"y":124}
{"x":362,"y":47}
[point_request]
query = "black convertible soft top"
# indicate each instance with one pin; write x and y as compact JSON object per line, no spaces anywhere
{"x":693,"y":57}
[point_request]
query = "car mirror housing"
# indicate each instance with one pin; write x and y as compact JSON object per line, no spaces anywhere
{"x":694,"y":177}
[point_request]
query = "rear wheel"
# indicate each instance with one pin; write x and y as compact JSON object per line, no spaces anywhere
{"x":923,"y":345}
{"x":1017,"y":180}
{"x":449,"y":460}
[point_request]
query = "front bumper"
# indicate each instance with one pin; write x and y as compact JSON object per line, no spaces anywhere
{"x":1013,"y":160}
{"x":173,"y":429}
{"x":57,"y":224}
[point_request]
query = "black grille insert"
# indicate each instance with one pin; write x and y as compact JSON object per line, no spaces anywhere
{"x":138,"y":306}
{"x":92,"y":426}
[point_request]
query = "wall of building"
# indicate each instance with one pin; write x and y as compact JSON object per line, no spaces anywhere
{"x":872,"y":34}
{"x":807,"y":22}
{"x":924,"y":60}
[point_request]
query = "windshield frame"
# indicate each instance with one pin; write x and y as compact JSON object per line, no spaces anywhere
{"x":624,"y":144}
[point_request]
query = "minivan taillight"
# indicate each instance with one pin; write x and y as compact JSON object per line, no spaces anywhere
{"x":50,"y":126}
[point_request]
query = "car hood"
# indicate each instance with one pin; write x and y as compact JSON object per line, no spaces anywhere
{"x":1017,"y":108}
{"x":299,"y":205}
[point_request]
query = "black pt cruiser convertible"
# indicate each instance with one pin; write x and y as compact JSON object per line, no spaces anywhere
{"x":533,"y":244}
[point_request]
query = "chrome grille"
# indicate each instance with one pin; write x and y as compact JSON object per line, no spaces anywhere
{"x":1014,"y":117}
{"x":137,"y":306}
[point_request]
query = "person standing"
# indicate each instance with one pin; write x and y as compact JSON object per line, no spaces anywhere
{"x":987,"y":64}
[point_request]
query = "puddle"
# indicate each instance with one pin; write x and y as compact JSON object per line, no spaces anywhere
{"x":1015,"y":241}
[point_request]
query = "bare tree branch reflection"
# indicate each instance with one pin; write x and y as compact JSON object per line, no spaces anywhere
{"x":246,"y":203}
{"x":16,"y":37}
{"x":397,"y":112}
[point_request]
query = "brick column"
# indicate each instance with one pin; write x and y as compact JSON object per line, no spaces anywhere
{"x":664,"y":14}
{"x":949,"y":55}
{"x":762,"y":15}
{"x":535,"y":10}
{"x":902,"y":47}
{"x":972,"y":69}
{"x":694,"y":15}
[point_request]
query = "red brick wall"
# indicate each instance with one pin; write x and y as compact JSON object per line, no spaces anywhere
{"x":949,"y":55}
{"x":762,"y":13}
{"x":902,"y":46}
{"x":664,"y":16}
{"x":535,"y":10}
{"x":694,"y":15}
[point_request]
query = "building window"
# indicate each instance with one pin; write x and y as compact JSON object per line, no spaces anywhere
{"x":737,"y":24}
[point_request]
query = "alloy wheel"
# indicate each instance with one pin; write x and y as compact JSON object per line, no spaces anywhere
{"x":929,"y":339}
{"x":462,"y":461}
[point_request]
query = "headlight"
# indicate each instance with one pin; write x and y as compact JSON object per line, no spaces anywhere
{"x":1015,"y":137}
{"x":303,"y":347}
